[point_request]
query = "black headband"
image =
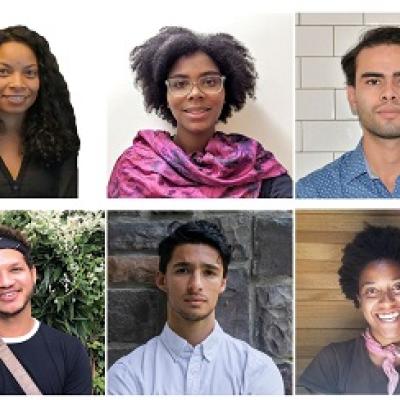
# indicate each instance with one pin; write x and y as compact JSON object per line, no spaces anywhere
{"x":7,"y":243}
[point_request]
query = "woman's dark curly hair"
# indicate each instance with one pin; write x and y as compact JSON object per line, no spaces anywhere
{"x":374,"y":243}
{"x":49,"y":128}
{"x":153,"y":60}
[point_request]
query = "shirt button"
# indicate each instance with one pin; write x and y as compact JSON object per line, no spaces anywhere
{"x":15,"y":187}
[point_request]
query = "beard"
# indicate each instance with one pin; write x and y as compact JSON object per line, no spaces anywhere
{"x":193,"y":317}
{"x":11,"y":314}
{"x":381,"y":129}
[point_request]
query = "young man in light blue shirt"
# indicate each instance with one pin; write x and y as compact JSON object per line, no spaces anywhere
{"x":193,"y":355}
{"x":372,"y":170}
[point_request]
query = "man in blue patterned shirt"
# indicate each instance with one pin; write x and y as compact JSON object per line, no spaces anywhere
{"x":372,"y":170}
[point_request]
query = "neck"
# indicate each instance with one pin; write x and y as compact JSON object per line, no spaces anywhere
{"x":11,"y":124}
{"x":194,"y":332}
{"x":17,"y":325}
{"x":383,"y":156}
{"x":191,"y":142}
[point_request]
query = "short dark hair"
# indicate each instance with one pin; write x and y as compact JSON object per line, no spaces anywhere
{"x":374,"y":243}
{"x":195,"y":232}
{"x":49,"y":129}
{"x":153,"y":60}
{"x":18,"y":236}
{"x":374,"y":37}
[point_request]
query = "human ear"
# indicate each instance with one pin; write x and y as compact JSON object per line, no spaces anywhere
{"x":223,"y":286}
{"x":351,"y":97}
{"x":160,"y":281}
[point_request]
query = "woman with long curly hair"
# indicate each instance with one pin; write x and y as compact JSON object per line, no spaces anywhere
{"x":193,"y":81}
{"x":38,"y":137}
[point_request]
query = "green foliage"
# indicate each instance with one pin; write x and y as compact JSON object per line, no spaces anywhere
{"x":68,"y":252}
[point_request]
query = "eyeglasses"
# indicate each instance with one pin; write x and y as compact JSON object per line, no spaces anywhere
{"x":208,"y":84}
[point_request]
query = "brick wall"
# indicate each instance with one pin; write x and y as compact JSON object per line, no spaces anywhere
{"x":325,"y":126}
{"x":256,"y":306}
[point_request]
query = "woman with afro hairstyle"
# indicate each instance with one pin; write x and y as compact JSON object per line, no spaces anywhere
{"x":193,"y":81}
{"x":369,"y":364}
{"x":38,"y":136}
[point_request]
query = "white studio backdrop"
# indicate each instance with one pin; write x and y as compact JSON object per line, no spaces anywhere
{"x":269,"y":37}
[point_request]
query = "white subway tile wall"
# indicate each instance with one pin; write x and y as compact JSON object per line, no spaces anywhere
{"x":325,"y":126}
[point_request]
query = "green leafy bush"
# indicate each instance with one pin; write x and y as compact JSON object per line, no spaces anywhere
{"x":68,"y":252}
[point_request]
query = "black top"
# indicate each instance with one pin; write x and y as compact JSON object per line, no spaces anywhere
{"x":345,"y":368}
{"x":56,"y":362}
{"x":37,"y":181}
{"x":278,"y":187}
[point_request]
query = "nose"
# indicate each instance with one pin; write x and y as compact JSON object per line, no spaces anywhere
{"x":195,"y":283}
{"x":387,"y":297}
{"x":6,"y":280}
{"x":390,"y":92}
{"x":16,"y":81}
{"x":195,"y":92}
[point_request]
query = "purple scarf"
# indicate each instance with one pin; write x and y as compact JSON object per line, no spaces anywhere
{"x":154,"y":166}
{"x":389,"y":353}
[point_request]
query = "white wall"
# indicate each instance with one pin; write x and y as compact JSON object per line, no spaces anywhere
{"x":270,"y":40}
{"x":325,"y":127}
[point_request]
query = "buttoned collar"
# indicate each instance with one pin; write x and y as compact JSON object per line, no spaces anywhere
{"x":178,"y":347}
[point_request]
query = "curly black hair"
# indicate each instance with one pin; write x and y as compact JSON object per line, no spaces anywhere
{"x":17,"y":236}
{"x":154,"y":58}
{"x":49,"y":130}
{"x":195,"y":232}
{"x":374,"y":37}
{"x":374,"y":243}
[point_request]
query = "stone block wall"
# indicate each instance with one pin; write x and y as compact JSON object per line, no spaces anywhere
{"x":256,"y":306}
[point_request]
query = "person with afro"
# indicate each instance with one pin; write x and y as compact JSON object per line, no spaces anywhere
{"x":193,"y":81}
{"x":369,"y":364}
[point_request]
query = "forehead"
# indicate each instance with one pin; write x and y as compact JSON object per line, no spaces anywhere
{"x":16,"y":52}
{"x":196,"y":254}
{"x":193,"y":64}
{"x":381,"y":270}
{"x":10,"y":256}
{"x":383,"y":58}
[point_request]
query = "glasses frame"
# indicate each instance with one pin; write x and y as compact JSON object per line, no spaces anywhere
{"x":195,"y":83}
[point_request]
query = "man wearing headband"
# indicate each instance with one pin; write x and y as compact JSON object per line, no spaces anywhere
{"x":56,"y":362}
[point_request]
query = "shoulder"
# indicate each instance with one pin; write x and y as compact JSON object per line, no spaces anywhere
{"x":70,"y":345}
{"x":324,"y":373}
{"x":126,"y":375}
{"x":324,"y":182}
{"x":261,"y":375}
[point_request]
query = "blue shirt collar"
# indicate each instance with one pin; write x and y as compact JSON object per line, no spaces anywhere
{"x":357,"y":165}
{"x":178,"y":347}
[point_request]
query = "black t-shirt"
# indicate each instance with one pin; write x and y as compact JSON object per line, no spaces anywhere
{"x":345,"y":368}
{"x":278,"y":187}
{"x":56,"y":362}
{"x":37,"y":181}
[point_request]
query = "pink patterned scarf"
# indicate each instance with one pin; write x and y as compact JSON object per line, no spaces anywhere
{"x":154,"y":166}
{"x":390,"y":353}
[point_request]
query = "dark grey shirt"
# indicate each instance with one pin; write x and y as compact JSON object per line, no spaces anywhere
{"x":345,"y":368}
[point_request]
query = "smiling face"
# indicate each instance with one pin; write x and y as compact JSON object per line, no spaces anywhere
{"x":196,"y":113}
{"x":379,"y":297}
{"x":193,"y":282}
{"x":376,"y":94}
{"x":19,"y":78}
{"x":17,"y":282}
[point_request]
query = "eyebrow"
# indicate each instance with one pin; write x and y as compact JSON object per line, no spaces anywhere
{"x":188,"y":264}
{"x":373,"y":283}
{"x":26,"y":66}
{"x":377,"y":74}
{"x":207,"y":73}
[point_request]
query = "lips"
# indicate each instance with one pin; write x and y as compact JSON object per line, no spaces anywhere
{"x":197,"y":112}
{"x":195,"y":299}
{"x":388,"y":317}
{"x":9,"y":295}
{"x":16,"y":99}
{"x":388,"y":112}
